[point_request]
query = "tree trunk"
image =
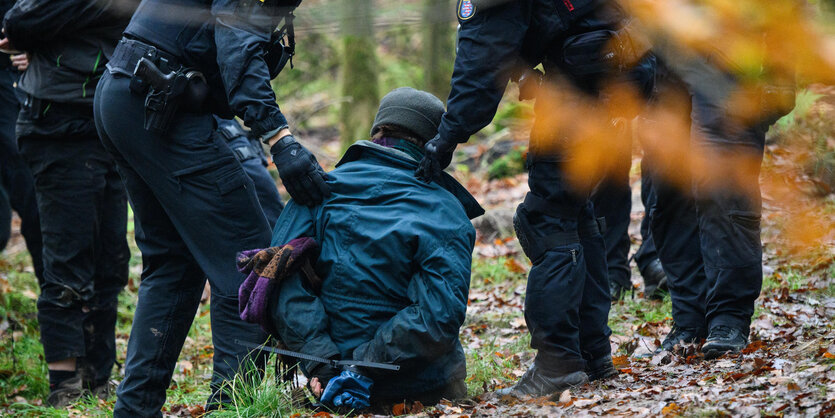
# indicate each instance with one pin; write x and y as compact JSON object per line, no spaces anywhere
{"x":359,"y":71}
{"x":438,"y":46}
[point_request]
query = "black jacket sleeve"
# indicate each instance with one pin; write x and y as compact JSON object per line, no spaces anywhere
{"x":31,"y":23}
{"x":489,"y":43}
{"x":242,"y":35}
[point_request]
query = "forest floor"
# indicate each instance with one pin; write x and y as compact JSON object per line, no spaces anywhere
{"x":787,"y":370}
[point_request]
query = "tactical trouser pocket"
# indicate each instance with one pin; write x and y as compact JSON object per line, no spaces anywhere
{"x":535,"y":243}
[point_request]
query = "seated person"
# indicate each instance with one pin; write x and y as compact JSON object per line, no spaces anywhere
{"x":393,"y":269}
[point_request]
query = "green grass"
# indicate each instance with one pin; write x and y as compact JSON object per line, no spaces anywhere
{"x":490,"y":271}
{"x":803,"y":104}
{"x":23,"y":373}
{"x":22,"y":369}
{"x":491,"y":364}
{"x":254,"y":397}
{"x":508,"y":165}
{"x":635,"y":311}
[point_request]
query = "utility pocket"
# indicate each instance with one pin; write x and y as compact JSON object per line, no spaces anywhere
{"x":745,"y":219}
{"x":230,"y":182}
{"x":745,"y":244}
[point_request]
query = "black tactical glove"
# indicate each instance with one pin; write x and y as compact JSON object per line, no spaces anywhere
{"x":437,"y":156}
{"x":301,"y":174}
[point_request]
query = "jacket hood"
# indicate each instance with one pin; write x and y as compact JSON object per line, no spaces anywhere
{"x":359,"y":148}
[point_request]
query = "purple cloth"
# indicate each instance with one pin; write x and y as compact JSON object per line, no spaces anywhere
{"x":266,"y":267}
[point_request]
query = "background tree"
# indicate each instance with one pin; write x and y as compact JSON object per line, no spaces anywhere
{"x":438,"y":46}
{"x":359,"y":71}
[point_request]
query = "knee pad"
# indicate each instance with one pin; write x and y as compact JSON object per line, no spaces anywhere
{"x":60,"y":296}
{"x":536,"y":241}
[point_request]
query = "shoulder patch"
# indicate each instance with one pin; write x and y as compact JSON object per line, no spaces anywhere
{"x":466,"y":9}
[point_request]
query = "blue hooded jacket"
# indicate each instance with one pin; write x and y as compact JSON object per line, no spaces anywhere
{"x":395,"y":264}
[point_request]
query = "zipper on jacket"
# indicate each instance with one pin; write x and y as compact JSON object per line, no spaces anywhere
{"x":573,"y":256}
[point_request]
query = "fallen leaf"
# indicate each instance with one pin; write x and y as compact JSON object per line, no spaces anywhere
{"x":620,"y":361}
{"x":398,"y":409}
{"x":565,"y":396}
{"x":671,"y":409}
{"x":514,"y":266}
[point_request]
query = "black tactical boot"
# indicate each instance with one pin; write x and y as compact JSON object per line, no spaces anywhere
{"x":104,"y":390}
{"x":600,"y":368}
{"x":618,"y":291}
{"x":538,"y":382}
{"x":65,"y":393}
{"x":680,"y":335}
{"x":723,"y":339}
{"x":655,"y":280}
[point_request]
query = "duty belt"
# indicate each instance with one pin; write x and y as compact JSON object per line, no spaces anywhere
{"x":333,"y":363}
{"x":129,"y":51}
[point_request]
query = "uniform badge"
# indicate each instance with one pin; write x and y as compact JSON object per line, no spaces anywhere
{"x":466,"y":9}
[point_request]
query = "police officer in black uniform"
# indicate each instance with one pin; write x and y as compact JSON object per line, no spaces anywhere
{"x":15,"y":177}
{"x":81,"y":200}
{"x":250,"y":153}
{"x":708,"y":237}
{"x":567,"y":300}
{"x":180,"y":62}
{"x":613,"y":202}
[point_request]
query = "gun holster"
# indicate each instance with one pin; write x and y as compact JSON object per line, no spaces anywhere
{"x":166,"y":94}
{"x":604,"y":52}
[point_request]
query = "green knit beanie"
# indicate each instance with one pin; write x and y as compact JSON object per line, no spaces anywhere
{"x":414,"y":110}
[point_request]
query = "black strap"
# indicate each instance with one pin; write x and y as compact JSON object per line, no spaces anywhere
{"x":244,"y":153}
{"x":560,"y":239}
{"x":291,"y":36}
{"x":601,"y":224}
{"x":540,"y":205}
{"x":228,"y":133}
{"x":593,"y":227}
{"x":129,"y":51}
{"x":334,"y":363}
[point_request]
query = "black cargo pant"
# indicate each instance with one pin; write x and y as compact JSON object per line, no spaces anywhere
{"x":647,"y":252}
{"x":254,"y":163}
{"x":15,"y":177}
{"x":708,"y":237}
{"x":613,"y":202}
{"x":83,"y":214}
{"x":567,"y":297}
{"x":195,"y":209}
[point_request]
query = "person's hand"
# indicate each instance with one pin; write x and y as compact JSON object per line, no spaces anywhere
{"x":301,"y":174}
{"x":320,"y":376}
{"x":6,"y":47}
{"x":437,"y":156}
{"x":20,"y":61}
{"x":350,"y":389}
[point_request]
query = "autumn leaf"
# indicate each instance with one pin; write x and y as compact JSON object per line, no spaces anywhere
{"x":671,"y":409}
{"x":754,"y":346}
{"x":620,"y":361}
{"x":514,"y":266}
{"x":398,"y":409}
